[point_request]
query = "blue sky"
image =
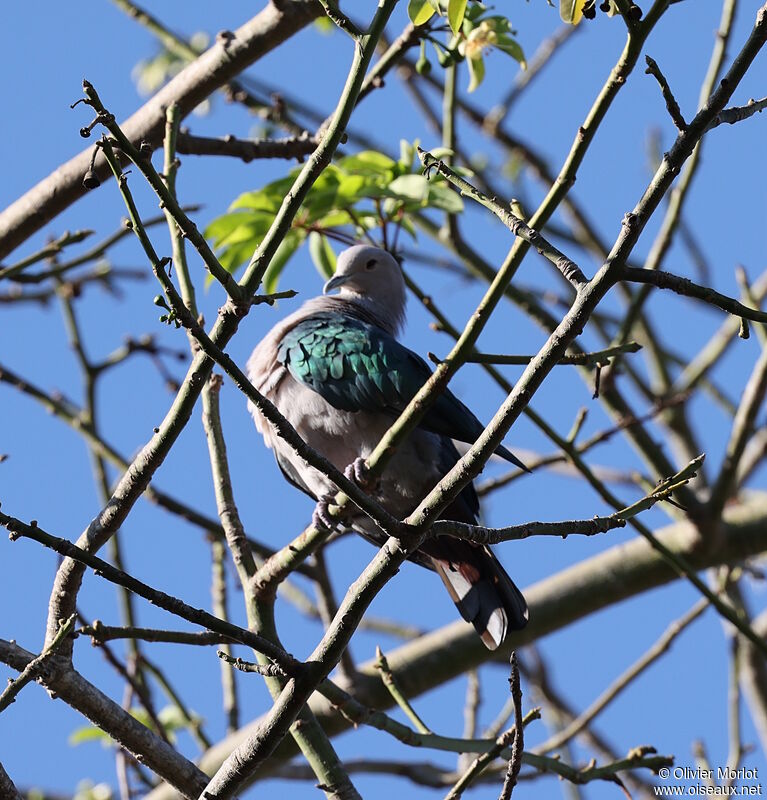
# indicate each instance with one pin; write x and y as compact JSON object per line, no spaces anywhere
{"x":47,"y":475}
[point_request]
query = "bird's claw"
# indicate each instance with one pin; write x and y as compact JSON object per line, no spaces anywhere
{"x":321,"y":516}
{"x":359,"y":473}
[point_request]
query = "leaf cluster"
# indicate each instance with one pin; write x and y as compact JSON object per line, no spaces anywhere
{"x":355,"y":195}
{"x":472,"y":32}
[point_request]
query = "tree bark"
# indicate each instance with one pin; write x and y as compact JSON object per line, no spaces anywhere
{"x":226,"y":59}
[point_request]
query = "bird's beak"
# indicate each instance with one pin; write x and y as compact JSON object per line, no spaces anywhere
{"x":334,"y":283}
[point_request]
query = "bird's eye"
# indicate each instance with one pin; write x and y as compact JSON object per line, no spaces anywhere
{"x":371,"y":264}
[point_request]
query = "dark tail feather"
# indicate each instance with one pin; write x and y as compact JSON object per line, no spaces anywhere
{"x":484,"y":594}
{"x":504,"y":452}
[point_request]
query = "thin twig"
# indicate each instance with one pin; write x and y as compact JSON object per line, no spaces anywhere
{"x":738,"y":113}
{"x":593,"y":359}
{"x":478,"y":534}
{"x":266,"y":670}
{"x":498,"y":748}
{"x":165,"y":601}
{"x":246,"y":150}
{"x":36,"y":666}
{"x":688,"y":288}
{"x":220,"y":609}
{"x":390,"y":682}
{"x":49,"y":251}
{"x":518,"y":743}
{"x":104,"y":633}
{"x":167,"y":198}
{"x":660,"y":647}
{"x":517,"y":226}
{"x":671,"y":103}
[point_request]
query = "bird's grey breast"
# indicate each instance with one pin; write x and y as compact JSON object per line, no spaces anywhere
{"x":339,"y":435}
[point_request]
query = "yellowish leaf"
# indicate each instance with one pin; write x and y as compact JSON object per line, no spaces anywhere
{"x":571,"y":11}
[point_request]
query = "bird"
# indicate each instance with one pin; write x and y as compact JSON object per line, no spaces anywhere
{"x":337,"y":372}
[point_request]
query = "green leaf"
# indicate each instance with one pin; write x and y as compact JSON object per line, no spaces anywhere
{"x":571,"y":11}
{"x":232,"y":258}
{"x":443,"y":197}
{"x":322,"y":254}
{"x":238,"y":227}
{"x":456,"y":9}
{"x":267,"y":199}
{"x":367,"y":162}
{"x":352,"y":188}
{"x":407,"y":224}
{"x":89,"y":734}
{"x":222,"y":227}
{"x":410,"y":187}
{"x":499,"y":24}
{"x":442,"y":153}
{"x":511,"y":47}
{"x":337,"y":219}
{"x":420,"y":11}
{"x":475,"y":11}
{"x":173,"y":719}
{"x":406,"y":155}
{"x":279,"y":261}
{"x":476,"y":72}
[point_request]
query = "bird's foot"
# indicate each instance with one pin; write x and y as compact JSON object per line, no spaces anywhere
{"x":359,"y":472}
{"x":321,"y":516}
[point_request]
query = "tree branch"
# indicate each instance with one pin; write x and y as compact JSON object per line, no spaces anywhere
{"x":671,"y":103}
{"x":60,"y":677}
{"x":597,"y":583}
{"x":619,"y":684}
{"x":687,"y":288}
{"x":19,"y":529}
{"x":209,"y":72}
{"x":517,"y":226}
{"x":36,"y":666}
{"x":246,"y":149}
{"x":7,"y":787}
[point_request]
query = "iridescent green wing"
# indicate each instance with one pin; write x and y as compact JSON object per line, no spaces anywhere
{"x":356,"y":366}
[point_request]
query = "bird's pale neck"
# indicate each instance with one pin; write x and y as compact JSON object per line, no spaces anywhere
{"x":387,"y":313}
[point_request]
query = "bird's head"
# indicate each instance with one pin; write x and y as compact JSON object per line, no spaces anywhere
{"x":372,"y":277}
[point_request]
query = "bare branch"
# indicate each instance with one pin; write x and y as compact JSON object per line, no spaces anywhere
{"x":181,"y":774}
{"x":687,"y":288}
{"x":738,"y":113}
{"x":7,"y":786}
{"x":246,"y":149}
{"x":104,"y":633}
{"x":498,"y":748}
{"x":593,"y":359}
{"x":49,"y":251}
{"x":165,"y":601}
{"x":481,"y":535}
{"x":623,"y":571}
{"x":35,"y":667}
{"x":209,"y":72}
{"x":390,"y":682}
{"x":742,"y":429}
{"x":517,"y":226}
{"x":622,"y":682}
{"x":671,"y":103}
{"x":518,"y":743}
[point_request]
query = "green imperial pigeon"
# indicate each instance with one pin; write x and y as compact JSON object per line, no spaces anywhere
{"x":336,"y":371}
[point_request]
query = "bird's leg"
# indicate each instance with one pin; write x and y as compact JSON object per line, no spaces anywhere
{"x":321,"y":516}
{"x":359,"y":472}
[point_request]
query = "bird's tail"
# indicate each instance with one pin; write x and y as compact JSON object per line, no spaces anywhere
{"x":482,"y":591}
